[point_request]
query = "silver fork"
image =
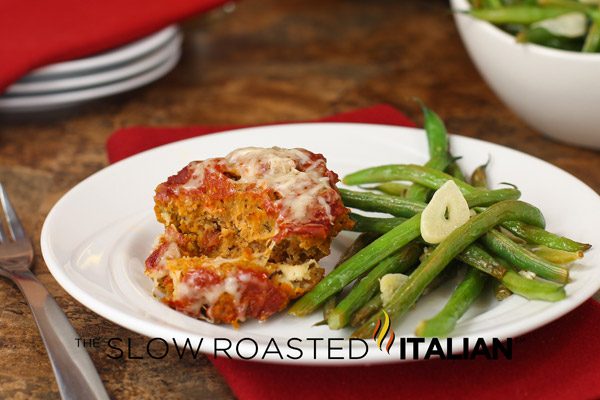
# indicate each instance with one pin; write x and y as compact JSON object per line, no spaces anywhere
{"x":75,"y":373}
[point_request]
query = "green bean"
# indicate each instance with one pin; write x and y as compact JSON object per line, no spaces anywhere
{"x":362,"y":261}
{"x":592,"y":39}
{"x":425,"y":176}
{"x":488,"y":197}
{"x":455,"y":171}
{"x":517,"y":14}
{"x":339,"y":317}
{"x":428,"y":177}
{"x":568,"y":4}
{"x":447,"y":274}
{"x":539,"y":236}
{"x":473,"y":255}
{"x":479,"y":176}
{"x":543,"y":37}
{"x":514,"y":29}
{"x":477,"y":257}
{"x":407,"y":208}
{"x":419,"y":192}
{"x":366,"y":311}
{"x":501,"y":292}
{"x":556,"y":256}
{"x":492,"y":3}
{"x":437,"y":136}
{"x":359,"y":243}
{"x":517,"y":17}
{"x":393,"y":188}
{"x":328,"y":306}
{"x":523,"y":258}
{"x":377,"y":225}
{"x":394,"y":205}
{"x":520,"y":2}
{"x":506,"y":232}
{"x":437,"y":139}
{"x":362,"y":241}
{"x":454,"y":244}
{"x":463,"y":296}
{"x":434,"y":179}
{"x":533,"y":289}
{"x":440,"y":161}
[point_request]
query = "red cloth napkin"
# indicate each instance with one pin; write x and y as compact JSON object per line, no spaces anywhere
{"x":558,"y":361}
{"x":36,"y":33}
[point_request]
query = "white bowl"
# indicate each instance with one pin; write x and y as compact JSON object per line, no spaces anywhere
{"x":555,"y":91}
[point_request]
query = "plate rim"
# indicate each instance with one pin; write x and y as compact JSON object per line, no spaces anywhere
{"x":43,"y":101}
{"x":144,"y":327}
{"x":111,"y":56}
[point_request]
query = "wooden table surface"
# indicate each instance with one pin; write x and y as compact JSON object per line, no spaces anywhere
{"x":266,"y":61}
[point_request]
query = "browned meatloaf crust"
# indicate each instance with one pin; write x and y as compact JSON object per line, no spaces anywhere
{"x":243,"y":233}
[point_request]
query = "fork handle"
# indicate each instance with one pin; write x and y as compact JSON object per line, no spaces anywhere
{"x":75,"y":373}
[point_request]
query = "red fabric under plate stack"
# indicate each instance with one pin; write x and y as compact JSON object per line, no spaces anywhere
{"x":38,"y":33}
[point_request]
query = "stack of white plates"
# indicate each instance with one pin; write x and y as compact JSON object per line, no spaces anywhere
{"x":116,"y":71}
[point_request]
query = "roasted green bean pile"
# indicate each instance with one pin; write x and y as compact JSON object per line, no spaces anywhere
{"x":501,"y":245}
{"x":572,"y":25}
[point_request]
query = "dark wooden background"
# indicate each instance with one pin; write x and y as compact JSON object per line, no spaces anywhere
{"x":266,"y":61}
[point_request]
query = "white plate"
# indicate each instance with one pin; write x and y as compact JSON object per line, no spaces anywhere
{"x":115,"y":56}
{"x":43,"y":102}
{"x":139,"y":65}
{"x":97,"y":236}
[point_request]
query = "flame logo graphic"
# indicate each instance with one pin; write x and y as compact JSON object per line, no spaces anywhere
{"x":381,"y":330}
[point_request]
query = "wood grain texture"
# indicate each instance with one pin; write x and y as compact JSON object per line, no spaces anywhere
{"x":268,"y":60}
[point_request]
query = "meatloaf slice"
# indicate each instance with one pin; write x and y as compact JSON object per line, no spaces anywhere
{"x":263,"y":210}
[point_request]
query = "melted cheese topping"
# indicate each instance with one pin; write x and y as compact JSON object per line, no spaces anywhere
{"x":209,"y":295}
{"x":302,"y":193}
{"x":294,"y":273}
{"x":276,"y":169}
{"x":197,"y":177}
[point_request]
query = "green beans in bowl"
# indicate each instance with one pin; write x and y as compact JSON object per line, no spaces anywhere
{"x":552,"y":86}
{"x":572,"y":25}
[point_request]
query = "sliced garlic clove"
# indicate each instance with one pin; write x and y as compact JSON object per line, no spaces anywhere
{"x":388,"y":284}
{"x":446,"y":211}
{"x":571,"y":25}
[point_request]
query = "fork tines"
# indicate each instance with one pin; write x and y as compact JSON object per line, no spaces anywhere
{"x":12,"y":220}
